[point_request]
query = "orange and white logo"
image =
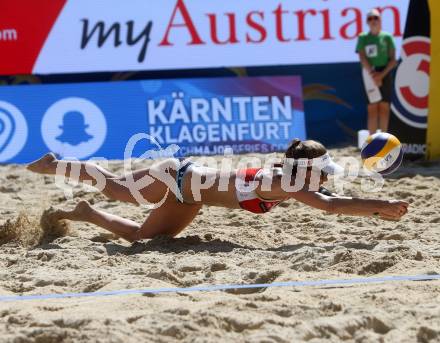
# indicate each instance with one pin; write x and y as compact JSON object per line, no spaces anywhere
{"x":410,"y":103}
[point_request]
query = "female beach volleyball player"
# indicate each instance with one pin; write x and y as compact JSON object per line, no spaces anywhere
{"x":175,"y":213}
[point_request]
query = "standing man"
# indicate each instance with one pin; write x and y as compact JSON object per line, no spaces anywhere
{"x":377,"y":53}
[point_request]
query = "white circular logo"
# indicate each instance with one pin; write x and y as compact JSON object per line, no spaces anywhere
{"x":13,"y":131}
{"x":410,"y":102}
{"x":74,"y":127}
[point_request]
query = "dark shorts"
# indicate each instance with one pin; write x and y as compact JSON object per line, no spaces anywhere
{"x":386,"y":90}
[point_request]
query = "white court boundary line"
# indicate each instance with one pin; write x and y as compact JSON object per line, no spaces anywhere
{"x":328,"y":282}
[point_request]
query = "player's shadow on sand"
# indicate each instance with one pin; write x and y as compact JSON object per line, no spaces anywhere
{"x":168,"y":245}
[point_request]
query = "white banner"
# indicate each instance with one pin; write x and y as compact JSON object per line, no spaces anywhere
{"x":114,"y":35}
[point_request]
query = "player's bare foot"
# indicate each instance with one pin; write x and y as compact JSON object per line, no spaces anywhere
{"x":80,"y":213}
{"x":82,"y":210}
{"x":42,"y":165}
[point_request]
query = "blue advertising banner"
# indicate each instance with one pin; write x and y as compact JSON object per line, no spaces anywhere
{"x":201,"y":116}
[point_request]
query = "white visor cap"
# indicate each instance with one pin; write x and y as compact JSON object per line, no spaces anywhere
{"x":325,"y":163}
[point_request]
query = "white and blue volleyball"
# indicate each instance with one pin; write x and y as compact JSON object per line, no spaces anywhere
{"x":382,"y":153}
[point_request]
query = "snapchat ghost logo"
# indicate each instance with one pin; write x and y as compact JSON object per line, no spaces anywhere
{"x":74,"y":127}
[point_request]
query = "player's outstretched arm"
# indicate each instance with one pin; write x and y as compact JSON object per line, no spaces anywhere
{"x":385,"y":209}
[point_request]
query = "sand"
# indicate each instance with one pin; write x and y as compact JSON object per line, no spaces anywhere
{"x":294,"y":242}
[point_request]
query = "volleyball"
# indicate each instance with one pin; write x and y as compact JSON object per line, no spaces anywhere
{"x":382,"y":153}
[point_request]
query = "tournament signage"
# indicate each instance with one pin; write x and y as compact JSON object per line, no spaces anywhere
{"x":59,"y":36}
{"x":411,"y":89}
{"x":433,"y":134}
{"x":197,"y":116}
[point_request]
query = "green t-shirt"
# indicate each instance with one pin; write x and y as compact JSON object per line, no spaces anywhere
{"x":377,"y":48}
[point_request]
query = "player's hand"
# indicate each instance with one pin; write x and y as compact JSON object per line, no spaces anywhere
{"x":393,"y":210}
{"x":378,"y":79}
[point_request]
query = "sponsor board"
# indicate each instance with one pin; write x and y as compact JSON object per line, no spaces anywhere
{"x":433,"y":131}
{"x":410,"y":103}
{"x":202,"y":116}
{"x":100,"y":36}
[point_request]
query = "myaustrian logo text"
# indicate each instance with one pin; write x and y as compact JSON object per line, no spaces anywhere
{"x":186,"y":28}
{"x":117,"y":34}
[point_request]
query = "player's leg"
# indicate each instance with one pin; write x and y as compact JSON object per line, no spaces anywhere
{"x":373,"y":117}
{"x":83,"y":212}
{"x":81,"y":171}
{"x":149,"y":185}
{"x":384,"y":115}
{"x":146,"y":186}
{"x":384,"y":106}
{"x":169,"y":219}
